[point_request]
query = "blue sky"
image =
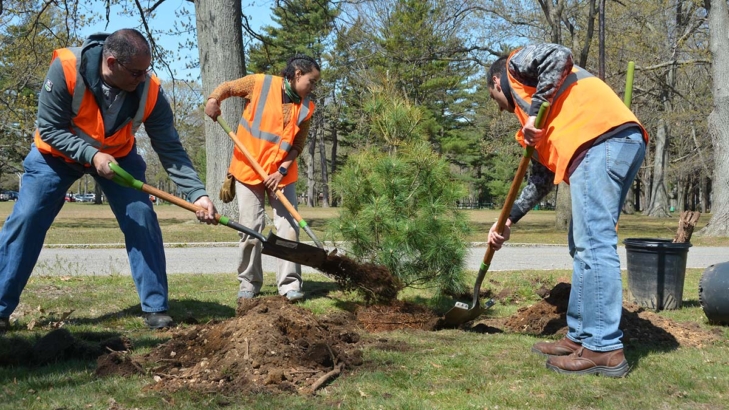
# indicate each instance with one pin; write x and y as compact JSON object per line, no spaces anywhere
{"x":258,"y":12}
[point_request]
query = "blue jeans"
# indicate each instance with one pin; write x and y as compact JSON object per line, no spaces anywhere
{"x":43,"y":189}
{"x":598,"y":188}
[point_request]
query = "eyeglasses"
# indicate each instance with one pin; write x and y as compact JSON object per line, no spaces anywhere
{"x":135,"y":73}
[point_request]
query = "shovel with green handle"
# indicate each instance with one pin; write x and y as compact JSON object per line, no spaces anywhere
{"x":263,"y":174}
{"x":461,"y":313}
{"x":273,"y":245}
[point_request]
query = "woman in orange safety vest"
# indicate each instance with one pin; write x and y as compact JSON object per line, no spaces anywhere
{"x":273,"y":128}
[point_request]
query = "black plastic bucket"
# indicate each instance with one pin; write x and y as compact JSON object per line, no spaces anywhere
{"x":656,"y":272}
{"x":714,"y":293}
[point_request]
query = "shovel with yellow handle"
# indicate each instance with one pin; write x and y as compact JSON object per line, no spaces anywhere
{"x":461,"y":313}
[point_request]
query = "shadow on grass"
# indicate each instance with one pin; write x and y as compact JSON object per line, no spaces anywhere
{"x":13,"y":375}
{"x":692,"y":303}
{"x":319,"y":289}
{"x":57,"y":346}
{"x":189,"y":311}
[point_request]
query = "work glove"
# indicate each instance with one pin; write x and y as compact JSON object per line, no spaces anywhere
{"x":227,"y":191}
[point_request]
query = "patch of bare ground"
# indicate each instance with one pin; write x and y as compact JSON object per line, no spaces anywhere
{"x":395,"y":316}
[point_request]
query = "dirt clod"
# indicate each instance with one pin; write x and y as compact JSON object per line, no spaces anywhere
{"x":374,"y":281}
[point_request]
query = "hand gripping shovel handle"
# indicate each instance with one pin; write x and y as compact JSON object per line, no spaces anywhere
{"x":461,"y":313}
{"x":263,"y":174}
{"x":510,"y":198}
{"x":124,"y":178}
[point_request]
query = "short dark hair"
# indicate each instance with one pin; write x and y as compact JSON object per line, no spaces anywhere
{"x":497,"y":69}
{"x":299,"y":62}
{"x":126,"y":43}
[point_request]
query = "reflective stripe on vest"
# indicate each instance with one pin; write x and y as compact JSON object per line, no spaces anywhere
{"x":255,"y":129}
{"x":262,"y":132}
{"x":583,"y":109}
{"x":71,"y":63}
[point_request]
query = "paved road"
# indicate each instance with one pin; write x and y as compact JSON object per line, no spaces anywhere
{"x":222,"y":258}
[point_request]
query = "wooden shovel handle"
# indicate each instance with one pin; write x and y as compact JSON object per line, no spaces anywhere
{"x":515,"y":184}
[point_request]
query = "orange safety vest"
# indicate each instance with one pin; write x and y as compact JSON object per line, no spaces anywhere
{"x":87,"y":121}
{"x":261,"y":130}
{"x":583,"y":109}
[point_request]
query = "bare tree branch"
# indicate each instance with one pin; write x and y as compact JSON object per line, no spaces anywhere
{"x":670,"y":63}
{"x":155,"y":5}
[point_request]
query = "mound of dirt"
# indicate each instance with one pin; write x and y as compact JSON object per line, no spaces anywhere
{"x":640,"y":327}
{"x":271,"y":345}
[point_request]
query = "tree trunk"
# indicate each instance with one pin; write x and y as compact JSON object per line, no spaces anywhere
{"x":333,"y":159}
{"x":718,"y":121}
{"x":638,"y":192}
{"x":310,"y":183}
{"x":563,"y":214}
{"x":658,"y":206}
{"x":676,"y":196}
{"x":99,"y":193}
{"x":323,"y":161}
{"x":220,"y":45}
{"x":705,"y":194}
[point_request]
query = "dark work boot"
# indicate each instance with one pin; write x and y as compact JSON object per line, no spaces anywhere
{"x":157,"y":320}
{"x":586,"y":361}
{"x":562,"y":347}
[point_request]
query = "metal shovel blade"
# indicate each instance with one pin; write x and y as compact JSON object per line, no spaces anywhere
{"x":293,"y":251}
{"x":460,"y":313}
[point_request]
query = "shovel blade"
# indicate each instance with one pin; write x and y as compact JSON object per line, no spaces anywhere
{"x":293,"y":251}
{"x":461,"y":313}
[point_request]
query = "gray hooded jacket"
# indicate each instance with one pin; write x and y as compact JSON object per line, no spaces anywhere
{"x":55,"y":115}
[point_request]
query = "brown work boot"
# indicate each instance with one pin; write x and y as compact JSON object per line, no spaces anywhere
{"x":562,"y":347}
{"x":586,"y":361}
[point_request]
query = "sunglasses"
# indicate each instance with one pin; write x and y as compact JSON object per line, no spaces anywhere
{"x":135,"y":73}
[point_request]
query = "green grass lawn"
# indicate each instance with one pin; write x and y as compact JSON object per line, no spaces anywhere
{"x":447,"y":369}
{"x":88,"y":223}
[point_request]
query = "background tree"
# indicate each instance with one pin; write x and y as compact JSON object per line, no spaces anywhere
{"x":719,"y":117}
{"x":220,"y":46}
{"x":28,"y":35}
